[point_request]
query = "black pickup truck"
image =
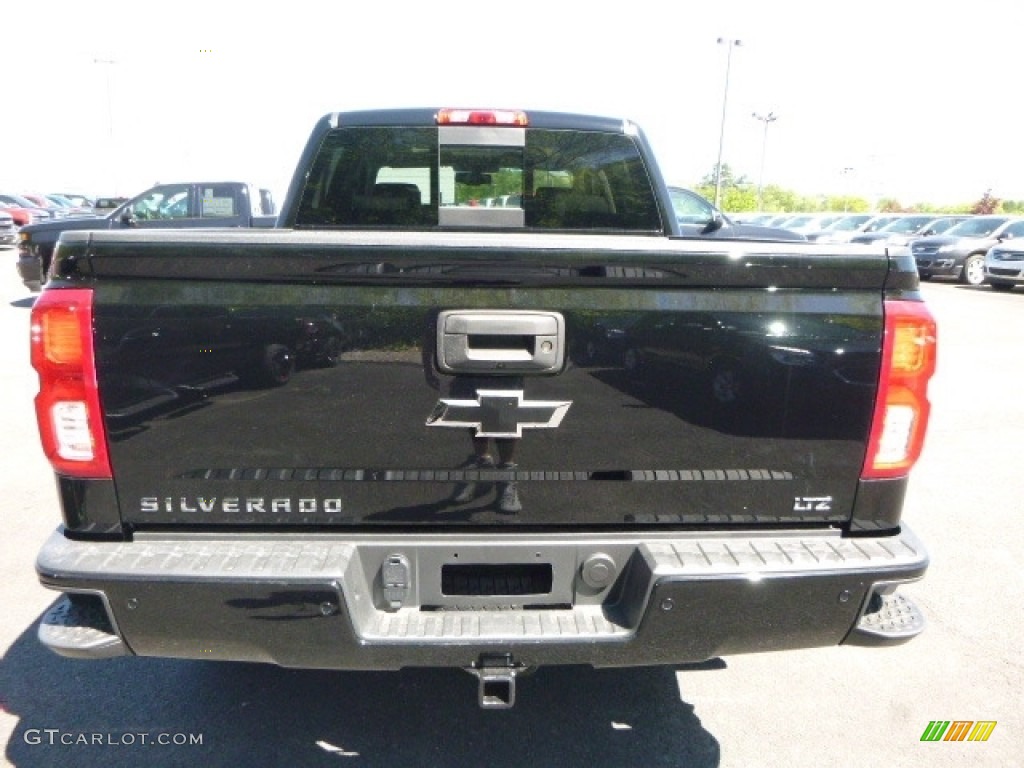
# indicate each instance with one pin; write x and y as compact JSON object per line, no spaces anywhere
{"x":165,"y":206}
{"x":458,"y":483}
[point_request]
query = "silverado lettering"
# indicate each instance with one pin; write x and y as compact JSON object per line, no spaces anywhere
{"x":440,"y":287}
{"x":152,"y":504}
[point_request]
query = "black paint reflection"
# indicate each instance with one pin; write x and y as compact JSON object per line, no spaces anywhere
{"x":679,"y":416}
{"x":170,"y":358}
{"x":744,"y":373}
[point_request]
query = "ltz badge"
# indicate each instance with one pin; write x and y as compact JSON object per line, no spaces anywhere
{"x":498,"y":413}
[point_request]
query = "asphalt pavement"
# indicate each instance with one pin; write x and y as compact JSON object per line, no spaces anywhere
{"x":824,"y":707}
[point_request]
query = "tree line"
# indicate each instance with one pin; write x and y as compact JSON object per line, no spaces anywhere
{"x":740,"y":195}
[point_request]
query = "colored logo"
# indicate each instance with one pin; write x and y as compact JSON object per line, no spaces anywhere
{"x":958,"y":730}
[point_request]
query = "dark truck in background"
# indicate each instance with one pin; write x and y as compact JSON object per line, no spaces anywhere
{"x":166,"y":206}
{"x":462,"y":485}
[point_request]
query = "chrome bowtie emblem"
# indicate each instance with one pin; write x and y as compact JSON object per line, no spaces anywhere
{"x":499,"y":413}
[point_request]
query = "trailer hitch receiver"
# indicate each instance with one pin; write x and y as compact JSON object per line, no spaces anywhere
{"x":497,"y":680}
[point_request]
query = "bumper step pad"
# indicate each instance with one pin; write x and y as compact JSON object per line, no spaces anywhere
{"x":78,"y":627}
{"x":897,"y":621}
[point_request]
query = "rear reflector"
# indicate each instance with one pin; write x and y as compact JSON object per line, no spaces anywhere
{"x":902,"y":408}
{"x":68,"y":406}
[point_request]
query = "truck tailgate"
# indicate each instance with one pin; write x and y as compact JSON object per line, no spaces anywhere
{"x":297,"y":383}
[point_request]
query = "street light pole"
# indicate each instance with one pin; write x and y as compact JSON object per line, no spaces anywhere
{"x":730,"y":44}
{"x":846,"y":186}
{"x":771,"y":117}
{"x":112,"y":154}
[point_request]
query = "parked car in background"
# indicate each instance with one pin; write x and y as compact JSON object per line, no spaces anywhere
{"x":104,"y":205}
{"x":69,"y":206}
{"x":880,"y":221}
{"x":750,"y":217}
{"x":1004,"y":265}
{"x":699,"y":218}
{"x":906,"y":228}
{"x":165,"y":206}
{"x":55,"y":210}
{"x":76,"y":199}
{"x":8,"y":230}
{"x":960,"y":252}
{"x":24,"y":212}
{"x":842,"y":229}
{"x":809,"y":222}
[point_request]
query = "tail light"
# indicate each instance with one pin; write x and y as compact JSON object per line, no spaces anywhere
{"x":901,"y":408}
{"x":68,"y":405}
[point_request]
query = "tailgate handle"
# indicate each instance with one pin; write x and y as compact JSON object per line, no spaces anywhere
{"x":500,"y":342}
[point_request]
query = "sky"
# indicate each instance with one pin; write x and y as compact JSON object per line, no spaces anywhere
{"x":900,"y":99}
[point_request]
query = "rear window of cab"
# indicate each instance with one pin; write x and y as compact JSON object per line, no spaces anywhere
{"x":478,"y":177}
